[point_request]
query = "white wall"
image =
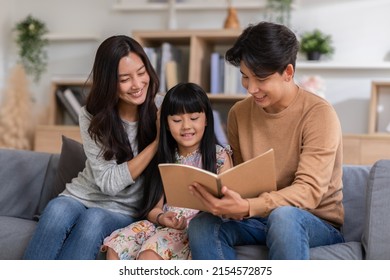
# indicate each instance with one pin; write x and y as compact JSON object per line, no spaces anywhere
{"x":359,"y":30}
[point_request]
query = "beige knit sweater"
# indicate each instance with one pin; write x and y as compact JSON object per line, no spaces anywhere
{"x":307,"y":140}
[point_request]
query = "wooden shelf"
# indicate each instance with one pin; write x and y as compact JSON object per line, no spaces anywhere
{"x":59,"y":37}
{"x":57,"y":114}
{"x":335,"y":65}
{"x":190,"y":6}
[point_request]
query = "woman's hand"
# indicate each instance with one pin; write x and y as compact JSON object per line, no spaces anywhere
{"x":169,"y":219}
{"x":231,"y":205}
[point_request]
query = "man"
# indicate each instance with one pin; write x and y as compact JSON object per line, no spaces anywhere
{"x":304,"y":131}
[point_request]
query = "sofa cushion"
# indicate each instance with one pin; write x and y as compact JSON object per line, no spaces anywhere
{"x":22,"y":176}
{"x":72,"y":161}
{"x":341,"y":251}
{"x":355,"y":178}
{"x":47,"y":190}
{"x":376,"y":234}
{"x":15,"y":235}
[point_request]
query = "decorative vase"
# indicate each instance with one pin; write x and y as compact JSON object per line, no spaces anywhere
{"x":231,"y":21}
{"x":313,"y":56}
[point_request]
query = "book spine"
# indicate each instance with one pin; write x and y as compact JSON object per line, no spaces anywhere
{"x":215,"y":73}
{"x":67,"y":106}
{"x":69,"y":95}
{"x":171,"y":74}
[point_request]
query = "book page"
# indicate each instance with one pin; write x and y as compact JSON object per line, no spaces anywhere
{"x":249,"y":179}
{"x":252,"y":177}
{"x":177,"y":177}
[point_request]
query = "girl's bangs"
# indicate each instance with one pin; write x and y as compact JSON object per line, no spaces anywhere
{"x":189,"y":104}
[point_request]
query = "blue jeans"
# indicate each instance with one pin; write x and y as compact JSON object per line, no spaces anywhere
{"x":288,"y":232}
{"x":68,"y":230}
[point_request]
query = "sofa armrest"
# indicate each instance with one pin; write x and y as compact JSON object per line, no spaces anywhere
{"x":22,"y":177}
{"x":376,"y":235}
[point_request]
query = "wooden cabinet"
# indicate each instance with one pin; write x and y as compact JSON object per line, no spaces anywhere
{"x":365,"y":149}
{"x":48,"y":138}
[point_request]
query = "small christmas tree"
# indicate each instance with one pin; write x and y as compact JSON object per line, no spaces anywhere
{"x":15,"y":112}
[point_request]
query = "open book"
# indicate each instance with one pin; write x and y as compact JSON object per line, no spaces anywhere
{"x":249,"y":179}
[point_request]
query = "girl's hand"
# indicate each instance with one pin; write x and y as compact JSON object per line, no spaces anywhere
{"x":230,"y":206}
{"x":169,"y":219}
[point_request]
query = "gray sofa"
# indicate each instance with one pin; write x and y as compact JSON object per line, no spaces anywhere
{"x":28,"y":180}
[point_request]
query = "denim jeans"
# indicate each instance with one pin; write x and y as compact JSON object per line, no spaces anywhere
{"x":288,"y":232}
{"x":68,"y":230}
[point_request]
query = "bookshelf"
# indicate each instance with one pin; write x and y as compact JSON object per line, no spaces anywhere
{"x":47,"y":138}
{"x":58,"y":113}
{"x":196,"y":47}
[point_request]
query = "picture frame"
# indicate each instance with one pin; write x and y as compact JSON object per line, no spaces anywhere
{"x":379,"y":118}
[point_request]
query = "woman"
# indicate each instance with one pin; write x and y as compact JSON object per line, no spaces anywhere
{"x":119,"y":131}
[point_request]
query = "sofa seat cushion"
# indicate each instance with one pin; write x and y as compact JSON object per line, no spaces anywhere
{"x":252,"y":252}
{"x":15,"y":234}
{"x":342,"y":251}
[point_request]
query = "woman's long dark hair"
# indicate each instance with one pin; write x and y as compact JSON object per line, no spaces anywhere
{"x":102,"y":103}
{"x":180,"y":99}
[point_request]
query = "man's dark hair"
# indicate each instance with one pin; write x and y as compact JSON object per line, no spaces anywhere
{"x":265,"y":48}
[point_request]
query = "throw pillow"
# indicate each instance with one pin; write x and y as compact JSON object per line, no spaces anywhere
{"x":72,"y":161}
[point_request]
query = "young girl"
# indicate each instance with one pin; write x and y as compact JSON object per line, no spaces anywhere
{"x":118,"y":128}
{"x":187,"y":137}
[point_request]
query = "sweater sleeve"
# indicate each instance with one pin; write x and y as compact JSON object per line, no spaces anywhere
{"x":314,"y":183}
{"x":109,"y":176}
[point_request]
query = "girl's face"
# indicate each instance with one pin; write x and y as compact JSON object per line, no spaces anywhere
{"x":187,"y":129}
{"x":270,"y":93}
{"x":133,"y":81}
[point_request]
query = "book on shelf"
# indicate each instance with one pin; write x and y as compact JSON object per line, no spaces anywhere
{"x":72,"y":99}
{"x":172,"y":77}
{"x":152,"y":55}
{"x":249,"y":179}
{"x":219,"y":129}
{"x":216,"y":73}
{"x":169,"y":57}
{"x":232,"y":82}
{"x":67,"y":106}
{"x":81,"y":94}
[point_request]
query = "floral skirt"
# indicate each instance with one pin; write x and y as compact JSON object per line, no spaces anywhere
{"x":130,"y":241}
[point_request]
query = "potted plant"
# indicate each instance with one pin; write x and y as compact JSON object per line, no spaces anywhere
{"x":315,"y":43}
{"x":32,"y":46}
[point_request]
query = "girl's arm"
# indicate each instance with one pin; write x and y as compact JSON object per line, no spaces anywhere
{"x":166,"y":219}
{"x":155,"y":214}
{"x":228,"y":162}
